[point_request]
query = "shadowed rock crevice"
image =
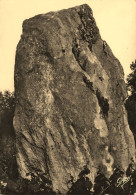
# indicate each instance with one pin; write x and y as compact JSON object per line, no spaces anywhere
{"x":103,"y":102}
{"x":88,"y":83}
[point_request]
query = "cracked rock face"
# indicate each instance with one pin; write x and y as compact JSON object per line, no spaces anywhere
{"x":70,"y":95}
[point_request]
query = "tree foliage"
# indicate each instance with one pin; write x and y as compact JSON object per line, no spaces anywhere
{"x":131,"y":111}
{"x":7,"y":101}
{"x":131,"y":79}
{"x":7,"y":136}
{"x":7,"y":107}
{"x":131,"y":101}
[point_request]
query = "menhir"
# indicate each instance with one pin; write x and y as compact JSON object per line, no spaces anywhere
{"x":70,"y":94}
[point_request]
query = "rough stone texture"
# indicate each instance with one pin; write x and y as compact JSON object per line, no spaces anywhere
{"x":70,"y":94}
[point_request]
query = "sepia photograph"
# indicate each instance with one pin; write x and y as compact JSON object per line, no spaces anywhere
{"x":67,"y":97}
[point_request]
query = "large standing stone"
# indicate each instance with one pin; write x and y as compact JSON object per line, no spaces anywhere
{"x":70,"y":93}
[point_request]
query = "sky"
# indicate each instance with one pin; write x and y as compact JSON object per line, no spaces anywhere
{"x":116,"y":20}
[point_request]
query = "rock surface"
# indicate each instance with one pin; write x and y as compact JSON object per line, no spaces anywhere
{"x":70,"y":94}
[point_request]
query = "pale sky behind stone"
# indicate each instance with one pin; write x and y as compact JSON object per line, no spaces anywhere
{"x":116,"y":20}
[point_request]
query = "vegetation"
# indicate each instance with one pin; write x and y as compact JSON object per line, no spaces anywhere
{"x":83,"y":185}
{"x":7,"y":139}
{"x":131,"y":79}
{"x":7,"y":107}
{"x":131,"y":101}
{"x":131,"y":111}
{"x":39,"y":182}
{"x":114,"y":185}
